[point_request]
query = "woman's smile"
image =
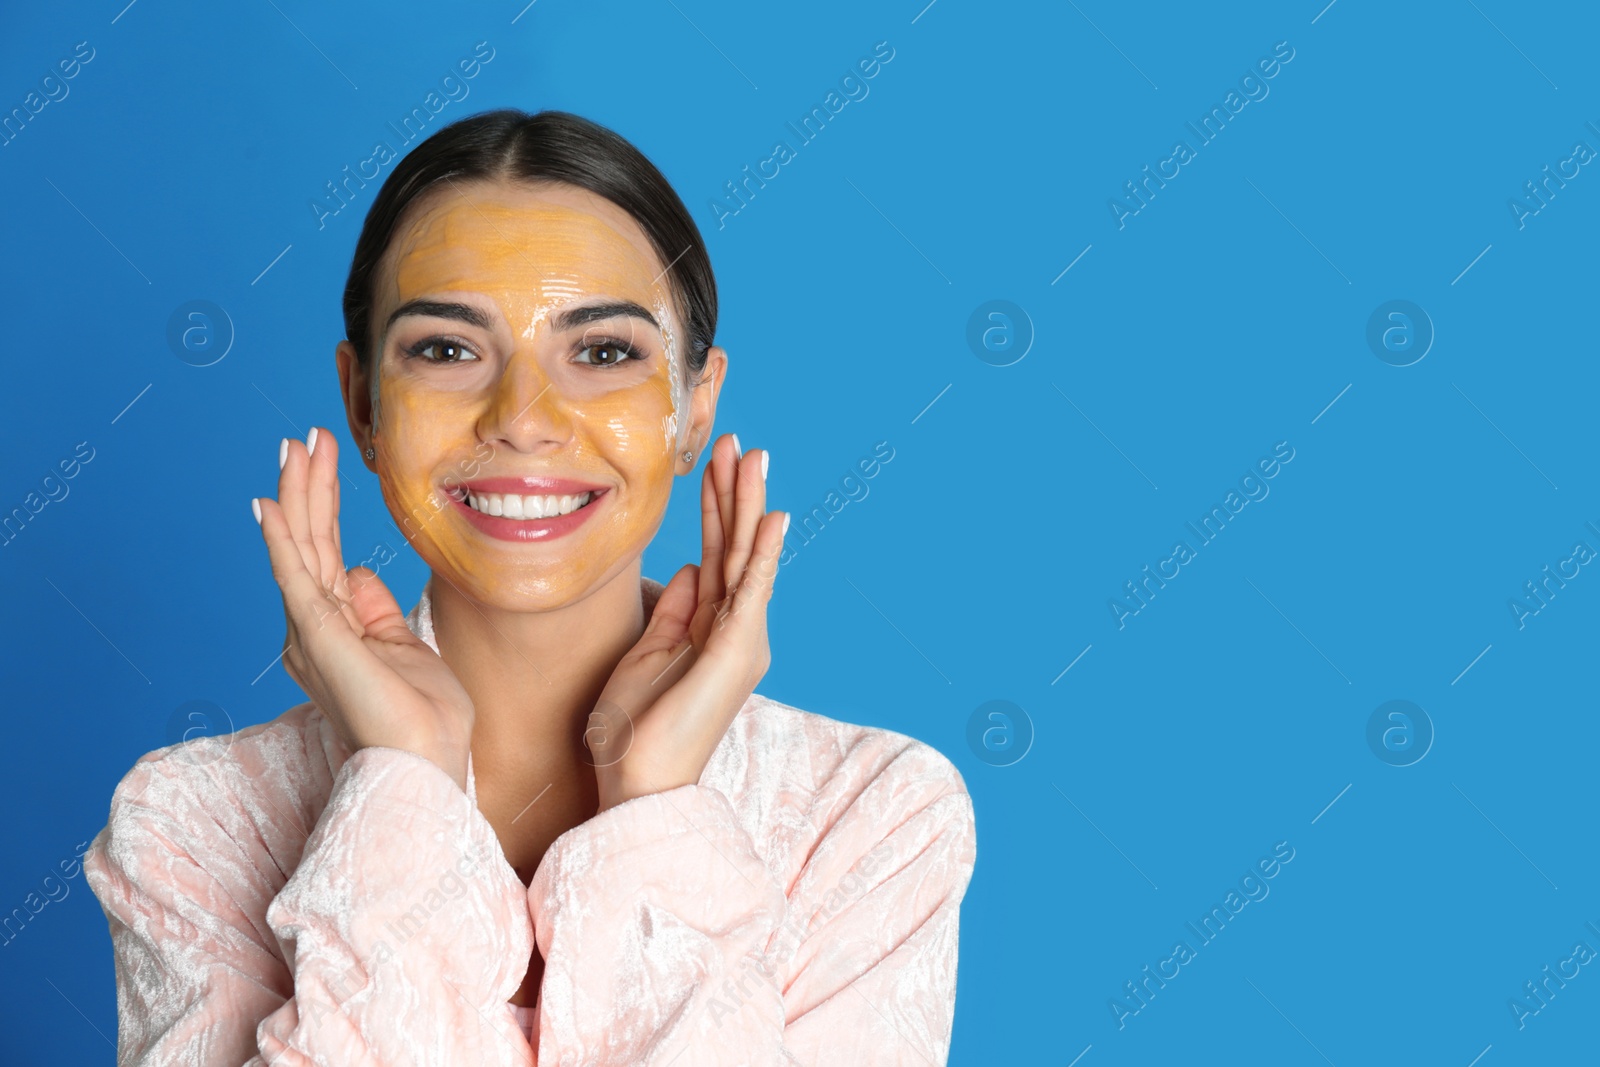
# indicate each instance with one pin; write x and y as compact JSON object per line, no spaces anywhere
{"x":528,"y":508}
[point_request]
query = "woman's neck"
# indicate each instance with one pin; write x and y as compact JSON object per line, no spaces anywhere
{"x":534,"y":677}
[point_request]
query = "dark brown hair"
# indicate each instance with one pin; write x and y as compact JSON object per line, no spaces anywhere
{"x":508,"y":144}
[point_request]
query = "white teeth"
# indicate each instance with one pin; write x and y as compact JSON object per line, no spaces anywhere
{"x":511,"y":506}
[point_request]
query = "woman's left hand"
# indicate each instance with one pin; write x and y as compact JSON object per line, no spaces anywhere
{"x":672,"y":696}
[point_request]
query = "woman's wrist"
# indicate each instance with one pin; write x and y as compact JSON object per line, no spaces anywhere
{"x":448,"y":753}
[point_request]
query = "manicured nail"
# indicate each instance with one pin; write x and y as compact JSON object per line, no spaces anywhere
{"x":737,"y":451}
{"x":311,"y":441}
{"x":786,"y":518}
{"x":765,"y":458}
{"x":255,"y":506}
{"x":283,"y":453}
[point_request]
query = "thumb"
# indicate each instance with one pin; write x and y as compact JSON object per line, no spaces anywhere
{"x":375,"y":607}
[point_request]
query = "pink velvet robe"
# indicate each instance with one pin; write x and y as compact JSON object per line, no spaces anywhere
{"x":273,"y":899}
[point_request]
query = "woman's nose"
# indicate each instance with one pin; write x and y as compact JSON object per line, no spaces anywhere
{"x":526,"y":411}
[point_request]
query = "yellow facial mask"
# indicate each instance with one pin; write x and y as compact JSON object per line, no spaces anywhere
{"x":568,"y":385}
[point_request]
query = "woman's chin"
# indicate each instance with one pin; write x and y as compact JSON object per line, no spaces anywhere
{"x":552,"y":585}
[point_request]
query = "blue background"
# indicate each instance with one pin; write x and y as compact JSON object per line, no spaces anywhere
{"x":1229,"y":314}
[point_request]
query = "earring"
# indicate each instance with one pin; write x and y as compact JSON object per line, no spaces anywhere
{"x":688,"y":455}
{"x":370,"y":453}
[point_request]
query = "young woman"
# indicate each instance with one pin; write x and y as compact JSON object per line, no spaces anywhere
{"x":543,"y":817}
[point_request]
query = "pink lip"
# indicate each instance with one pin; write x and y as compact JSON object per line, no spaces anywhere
{"x":527,"y":530}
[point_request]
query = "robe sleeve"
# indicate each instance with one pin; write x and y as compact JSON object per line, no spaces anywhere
{"x":667,"y":938}
{"x":397,"y":940}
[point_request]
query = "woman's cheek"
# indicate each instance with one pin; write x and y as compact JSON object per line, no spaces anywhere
{"x":624,"y":431}
{"x":628,"y":428}
{"x":417,"y":432}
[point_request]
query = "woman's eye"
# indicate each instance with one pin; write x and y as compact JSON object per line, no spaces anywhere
{"x":443,"y":350}
{"x":608,"y":353}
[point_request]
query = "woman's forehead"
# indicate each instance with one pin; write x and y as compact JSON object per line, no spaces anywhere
{"x":536,"y":247}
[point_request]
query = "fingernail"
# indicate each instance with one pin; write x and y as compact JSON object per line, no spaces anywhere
{"x":311,"y":441}
{"x":737,"y":451}
{"x":283,"y":453}
{"x":765,"y":458}
{"x":786,"y":518}
{"x":255,"y":506}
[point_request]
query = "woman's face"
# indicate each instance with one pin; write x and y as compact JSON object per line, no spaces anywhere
{"x":527,"y":347}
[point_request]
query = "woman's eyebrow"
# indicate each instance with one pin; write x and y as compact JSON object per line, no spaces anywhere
{"x":562,"y":321}
{"x":441,"y":310}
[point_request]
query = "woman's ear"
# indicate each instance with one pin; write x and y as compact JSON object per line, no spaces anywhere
{"x":355,"y":386}
{"x":703,"y":406}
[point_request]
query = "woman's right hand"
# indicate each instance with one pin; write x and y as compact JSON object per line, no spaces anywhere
{"x":348,"y":645}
